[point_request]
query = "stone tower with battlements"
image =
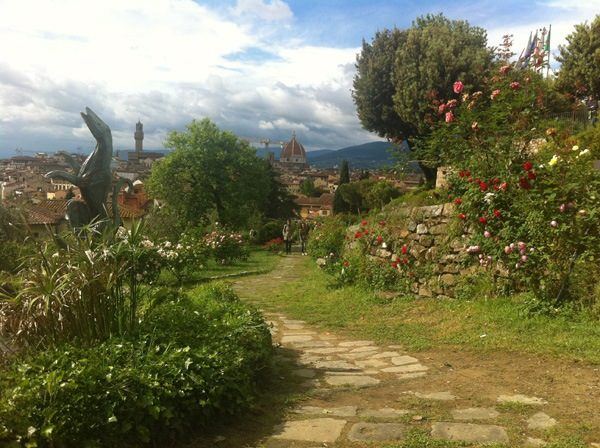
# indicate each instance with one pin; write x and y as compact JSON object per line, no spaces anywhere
{"x":139,"y":137}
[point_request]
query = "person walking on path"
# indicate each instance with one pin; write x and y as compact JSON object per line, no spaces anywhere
{"x":304,"y":229}
{"x":287,"y":236}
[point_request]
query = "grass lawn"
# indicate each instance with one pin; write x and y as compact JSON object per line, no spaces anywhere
{"x":421,"y":324}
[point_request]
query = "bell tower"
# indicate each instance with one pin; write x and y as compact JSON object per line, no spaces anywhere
{"x":139,"y":137}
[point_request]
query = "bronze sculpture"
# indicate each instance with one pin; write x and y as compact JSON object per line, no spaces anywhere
{"x":93,"y":178}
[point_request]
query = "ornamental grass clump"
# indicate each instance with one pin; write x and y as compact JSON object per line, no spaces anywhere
{"x":83,"y":288}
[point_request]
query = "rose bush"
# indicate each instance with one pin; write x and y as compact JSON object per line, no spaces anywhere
{"x":527,"y":193}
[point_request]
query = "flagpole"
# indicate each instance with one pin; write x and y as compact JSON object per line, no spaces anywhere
{"x":548,"y":45}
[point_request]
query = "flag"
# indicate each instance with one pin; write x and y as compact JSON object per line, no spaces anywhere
{"x":547,"y":44}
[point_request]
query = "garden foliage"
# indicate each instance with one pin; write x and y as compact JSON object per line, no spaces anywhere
{"x":194,"y":358}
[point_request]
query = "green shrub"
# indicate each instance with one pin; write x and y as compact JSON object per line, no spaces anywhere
{"x":196,"y":358}
{"x":327,"y":237}
{"x":270,"y":230}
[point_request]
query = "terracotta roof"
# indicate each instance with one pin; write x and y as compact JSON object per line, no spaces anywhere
{"x":51,"y":212}
{"x":293,"y":149}
{"x":326,"y":200}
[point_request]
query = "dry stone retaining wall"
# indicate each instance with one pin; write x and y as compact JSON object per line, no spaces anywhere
{"x":426,"y":231}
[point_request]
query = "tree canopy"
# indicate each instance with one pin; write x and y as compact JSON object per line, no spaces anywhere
{"x":580,"y":62}
{"x":401,"y":73}
{"x":213,"y":173}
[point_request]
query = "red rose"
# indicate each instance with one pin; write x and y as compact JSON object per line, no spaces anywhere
{"x":358,"y":235}
{"x":395,"y":264}
{"x":382,"y":223}
{"x":366,"y":231}
{"x":483,"y":220}
{"x":461,"y":174}
{"x":404,"y":249}
{"x":379,"y":239}
{"x":515,"y":85}
{"x":497,"y":213}
{"x":531,"y":175}
{"x":363,"y":223}
{"x":527,"y":165}
{"x":483,"y":186}
{"x":405,"y":260}
{"x":346,"y":263}
{"x":462,"y":216}
{"x":458,"y":201}
{"x":524,"y":183}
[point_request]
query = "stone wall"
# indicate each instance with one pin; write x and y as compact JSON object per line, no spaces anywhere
{"x":426,"y":231}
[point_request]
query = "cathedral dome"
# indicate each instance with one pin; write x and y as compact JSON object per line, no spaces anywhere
{"x":293,"y":152}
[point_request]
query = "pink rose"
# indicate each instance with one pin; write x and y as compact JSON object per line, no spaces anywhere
{"x":495,"y":93}
{"x":562,"y":208}
{"x":487,"y":234}
{"x":452,"y":104}
{"x":441,"y":108}
{"x":521,"y":245}
{"x":458,"y":87}
{"x":515,"y":85}
{"x":523,"y":258}
{"x":507,"y":250}
{"x":449,"y":117}
{"x":505,"y":69}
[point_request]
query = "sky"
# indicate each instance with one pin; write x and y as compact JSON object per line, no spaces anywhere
{"x":260,"y":68}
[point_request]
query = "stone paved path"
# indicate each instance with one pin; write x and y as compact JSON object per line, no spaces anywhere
{"x":363,"y":392}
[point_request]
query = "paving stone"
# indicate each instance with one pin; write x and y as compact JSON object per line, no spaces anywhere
{"x":474,"y":414}
{"x":531,"y":441}
{"x":292,"y":321}
{"x":595,"y":445}
{"x":355,"y":343}
{"x":293,"y":326}
{"x":325,"y":350}
{"x":371,"y":363}
{"x":402,"y":360}
{"x":298,"y":332}
{"x":295,"y":338}
{"x":396,"y":347}
{"x":469,"y":432}
{"x":351,"y":380}
{"x":442,"y":396}
{"x":368,"y":348}
{"x":383,"y":413}
{"x":336,"y":365}
{"x":312,"y":344}
{"x":322,"y":430}
{"x":383,"y":355}
{"x":328,"y":337}
{"x":305,"y":373}
{"x":341,"y":411}
{"x":540,"y":421}
{"x":406,"y":369}
{"x":410,"y":376}
{"x":376,"y":432}
{"x":523,"y":399}
{"x":361,"y":355}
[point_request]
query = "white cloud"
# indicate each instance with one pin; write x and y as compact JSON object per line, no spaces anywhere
{"x":273,"y":10}
{"x":165,"y":62}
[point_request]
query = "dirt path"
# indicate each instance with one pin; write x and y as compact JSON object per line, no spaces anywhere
{"x":358,"y":393}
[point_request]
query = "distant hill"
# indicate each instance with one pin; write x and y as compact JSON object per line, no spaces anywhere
{"x":368,"y":155}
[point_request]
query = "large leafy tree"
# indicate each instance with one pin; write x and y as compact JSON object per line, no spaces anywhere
{"x":580,"y":62}
{"x":401,"y":74}
{"x":211,"y":172}
{"x":374,"y":86}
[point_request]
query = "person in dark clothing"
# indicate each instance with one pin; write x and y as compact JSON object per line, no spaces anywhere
{"x":287,"y":236}
{"x":304,"y":230}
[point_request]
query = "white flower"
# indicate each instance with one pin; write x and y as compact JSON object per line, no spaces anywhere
{"x":488,"y":197}
{"x":575,"y":148}
{"x":554,"y":160}
{"x":583,"y":153}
